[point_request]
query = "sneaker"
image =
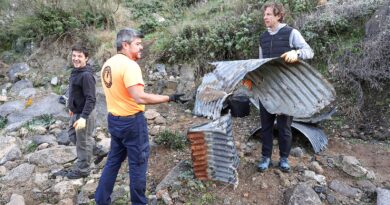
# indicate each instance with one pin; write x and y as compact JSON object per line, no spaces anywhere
{"x":283,"y":164}
{"x":74,"y":174}
{"x":264,"y":164}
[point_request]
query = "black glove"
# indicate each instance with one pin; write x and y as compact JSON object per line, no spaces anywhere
{"x":176,"y":98}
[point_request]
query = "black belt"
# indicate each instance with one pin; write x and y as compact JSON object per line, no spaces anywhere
{"x":128,"y":116}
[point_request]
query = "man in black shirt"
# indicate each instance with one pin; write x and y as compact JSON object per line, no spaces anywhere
{"x":81,"y":104}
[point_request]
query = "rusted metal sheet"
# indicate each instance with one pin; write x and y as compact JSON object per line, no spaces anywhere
{"x":213,"y":151}
{"x":292,"y":89}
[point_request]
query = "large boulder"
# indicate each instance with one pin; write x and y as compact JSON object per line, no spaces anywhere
{"x":52,"y":156}
{"x":302,"y":194}
{"x":20,"y":174}
{"x":48,"y":105}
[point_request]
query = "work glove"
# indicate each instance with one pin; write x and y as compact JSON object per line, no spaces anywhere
{"x":79,"y":124}
{"x":290,"y":56}
{"x":176,"y":98}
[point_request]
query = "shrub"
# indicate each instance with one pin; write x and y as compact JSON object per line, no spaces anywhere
{"x":41,"y":19}
{"x":229,"y":37}
{"x":170,"y":139}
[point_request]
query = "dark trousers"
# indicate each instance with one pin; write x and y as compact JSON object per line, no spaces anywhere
{"x":284,"y":128}
{"x":83,"y":140}
{"x":129,"y":137}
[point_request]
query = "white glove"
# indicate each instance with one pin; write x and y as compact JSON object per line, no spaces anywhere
{"x":79,"y":124}
{"x":290,"y":56}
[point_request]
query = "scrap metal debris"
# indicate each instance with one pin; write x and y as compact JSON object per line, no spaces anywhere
{"x":292,"y":89}
{"x":213,"y":151}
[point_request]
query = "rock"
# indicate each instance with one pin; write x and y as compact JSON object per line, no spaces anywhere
{"x":311,"y":175}
{"x":41,"y":139}
{"x":8,"y":149}
{"x":165,"y":197}
{"x":344,"y":189}
{"x":16,"y":200}
{"x":302,"y":194}
{"x":64,"y":189}
{"x":332,"y":200}
{"x":173,"y":175}
{"x":11,"y":107}
{"x":27,"y":93}
{"x":39,"y":129}
{"x":296,"y":152}
{"x":20,"y":174}
{"x":87,"y":192}
{"x":351,"y":166}
{"x":371,"y":175}
{"x":54,"y":80}
{"x":42,"y":180}
{"x":43,"y":146}
{"x":160,"y":120}
{"x":151,"y":114}
{"x":101,"y":108}
{"x":315,"y":166}
{"x":3,"y":171}
{"x":52,"y":156}
{"x":66,"y":202}
{"x":13,"y":154}
{"x":16,"y":69}
{"x":51,"y":107}
{"x":383,"y":196}
{"x":20,"y":85}
{"x":63,"y":138}
{"x":154,"y":130}
{"x":366,"y":186}
{"x":263,"y":185}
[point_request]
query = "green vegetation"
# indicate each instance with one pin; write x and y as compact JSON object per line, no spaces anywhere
{"x":173,"y":140}
{"x":43,"y":120}
{"x":31,"y":147}
{"x":3,"y":122}
{"x":39,"y":19}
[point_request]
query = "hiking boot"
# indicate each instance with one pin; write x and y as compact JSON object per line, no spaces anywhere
{"x":264,"y":164}
{"x":283,"y":164}
{"x":74,"y":174}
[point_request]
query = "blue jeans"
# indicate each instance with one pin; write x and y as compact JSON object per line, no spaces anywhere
{"x":129,"y":137}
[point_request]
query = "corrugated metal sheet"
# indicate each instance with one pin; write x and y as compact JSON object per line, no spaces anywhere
{"x":314,"y":134}
{"x":213,"y":151}
{"x":293,"y":89}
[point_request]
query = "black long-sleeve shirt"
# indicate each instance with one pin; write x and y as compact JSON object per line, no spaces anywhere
{"x":82,"y":91}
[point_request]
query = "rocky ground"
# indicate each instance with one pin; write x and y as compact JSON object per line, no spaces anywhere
{"x":354,"y":169}
{"x":349,"y":171}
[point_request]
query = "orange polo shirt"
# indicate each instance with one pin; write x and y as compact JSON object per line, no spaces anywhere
{"x":118,"y":73}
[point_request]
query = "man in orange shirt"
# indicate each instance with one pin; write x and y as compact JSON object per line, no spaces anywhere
{"x":124,"y":89}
